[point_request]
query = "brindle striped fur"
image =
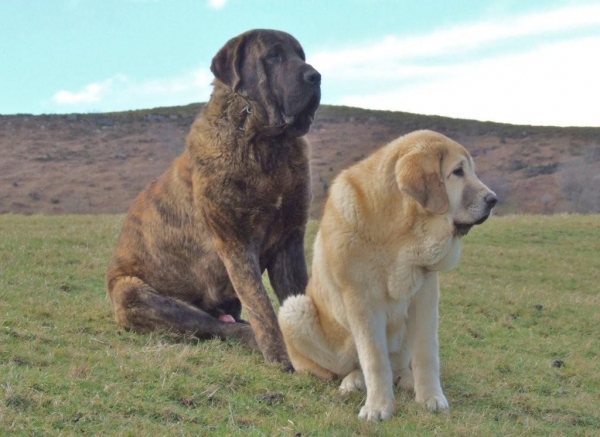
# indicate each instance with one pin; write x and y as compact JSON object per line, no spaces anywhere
{"x":196,"y":242}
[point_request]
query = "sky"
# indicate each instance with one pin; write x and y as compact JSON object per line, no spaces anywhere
{"x":530,"y":62}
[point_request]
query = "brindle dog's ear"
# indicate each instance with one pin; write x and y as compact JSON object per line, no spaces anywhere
{"x":419,"y":174}
{"x":227,"y":63}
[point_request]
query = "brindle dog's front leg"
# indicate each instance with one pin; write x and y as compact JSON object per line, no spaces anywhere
{"x":287,"y":268}
{"x":244,"y":272}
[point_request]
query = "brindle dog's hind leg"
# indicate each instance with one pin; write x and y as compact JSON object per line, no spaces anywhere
{"x":231,"y":307}
{"x":138,"y":307}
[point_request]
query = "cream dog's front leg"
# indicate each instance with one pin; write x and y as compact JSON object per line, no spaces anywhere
{"x":422,"y":338}
{"x":368,"y":331}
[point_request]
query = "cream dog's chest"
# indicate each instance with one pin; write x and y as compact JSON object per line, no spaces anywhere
{"x":405,"y":276}
{"x":404,"y":280}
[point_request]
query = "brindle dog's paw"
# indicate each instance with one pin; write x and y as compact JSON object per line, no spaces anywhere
{"x":288,"y":367}
{"x":282,"y":359}
{"x":243,"y":333}
{"x":275,"y":352}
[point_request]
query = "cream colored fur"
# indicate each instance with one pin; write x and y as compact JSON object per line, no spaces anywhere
{"x":370,"y":313}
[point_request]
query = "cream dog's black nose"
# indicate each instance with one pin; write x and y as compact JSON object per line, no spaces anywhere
{"x":490,"y":200}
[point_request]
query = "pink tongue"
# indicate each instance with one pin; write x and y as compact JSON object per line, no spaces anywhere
{"x":226,"y":318}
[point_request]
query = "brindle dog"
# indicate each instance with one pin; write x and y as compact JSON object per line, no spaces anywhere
{"x":196,"y":241}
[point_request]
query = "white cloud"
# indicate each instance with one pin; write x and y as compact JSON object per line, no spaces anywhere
{"x":455,"y":40}
{"x":121,"y":92}
{"x":504,"y":70}
{"x":555,"y":84}
{"x":216,"y":4}
{"x":89,"y":94}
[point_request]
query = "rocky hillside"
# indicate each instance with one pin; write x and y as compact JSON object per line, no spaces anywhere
{"x":98,"y":163}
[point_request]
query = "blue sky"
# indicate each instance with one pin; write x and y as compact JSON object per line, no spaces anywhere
{"x":523,"y":62}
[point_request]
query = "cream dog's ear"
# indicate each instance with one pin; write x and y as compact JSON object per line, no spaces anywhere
{"x":419,"y":174}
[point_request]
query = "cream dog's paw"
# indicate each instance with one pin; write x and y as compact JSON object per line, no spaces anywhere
{"x":405,"y":380}
{"x":435,"y":403}
{"x":352,"y":382}
{"x":377,"y":412}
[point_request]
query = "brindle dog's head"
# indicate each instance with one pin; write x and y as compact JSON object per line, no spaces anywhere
{"x":268,"y":69}
{"x":440,"y":174}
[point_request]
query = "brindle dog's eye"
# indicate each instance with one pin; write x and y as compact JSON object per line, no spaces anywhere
{"x":275,"y":56}
{"x":459,"y":172}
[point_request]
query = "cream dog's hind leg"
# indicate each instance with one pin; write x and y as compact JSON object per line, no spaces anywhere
{"x":304,"y":337}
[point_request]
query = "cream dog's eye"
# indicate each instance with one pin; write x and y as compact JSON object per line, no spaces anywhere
{"x":459,"y":172}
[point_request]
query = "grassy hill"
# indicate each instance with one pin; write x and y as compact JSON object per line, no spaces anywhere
{"x":518,"y":334}
{"x":98,"y":163}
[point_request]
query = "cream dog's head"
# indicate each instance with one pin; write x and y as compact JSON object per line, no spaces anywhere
{"x":440,"y":175}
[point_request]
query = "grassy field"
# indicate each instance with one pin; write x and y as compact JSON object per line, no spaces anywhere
{"x":519,"y":334}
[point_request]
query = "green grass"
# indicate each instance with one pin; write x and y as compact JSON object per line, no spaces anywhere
{"x":526,"y":293}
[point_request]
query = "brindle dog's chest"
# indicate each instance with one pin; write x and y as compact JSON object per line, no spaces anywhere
{"x":280,"y":194}
{"x":259,"y":195}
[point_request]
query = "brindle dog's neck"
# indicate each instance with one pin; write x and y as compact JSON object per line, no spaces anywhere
{"x":246,"y":117}
{"x":226,"y":127}
{"x":231,"y":106}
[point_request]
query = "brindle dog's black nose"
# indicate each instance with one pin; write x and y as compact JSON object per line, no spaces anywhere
{"x":491,"y":200}
{"x":313,"y":77}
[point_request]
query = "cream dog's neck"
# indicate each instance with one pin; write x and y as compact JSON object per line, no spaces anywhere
{"x":450,"y":259}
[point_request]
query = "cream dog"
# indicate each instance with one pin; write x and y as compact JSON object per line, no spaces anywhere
{"x":370,"y":313}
